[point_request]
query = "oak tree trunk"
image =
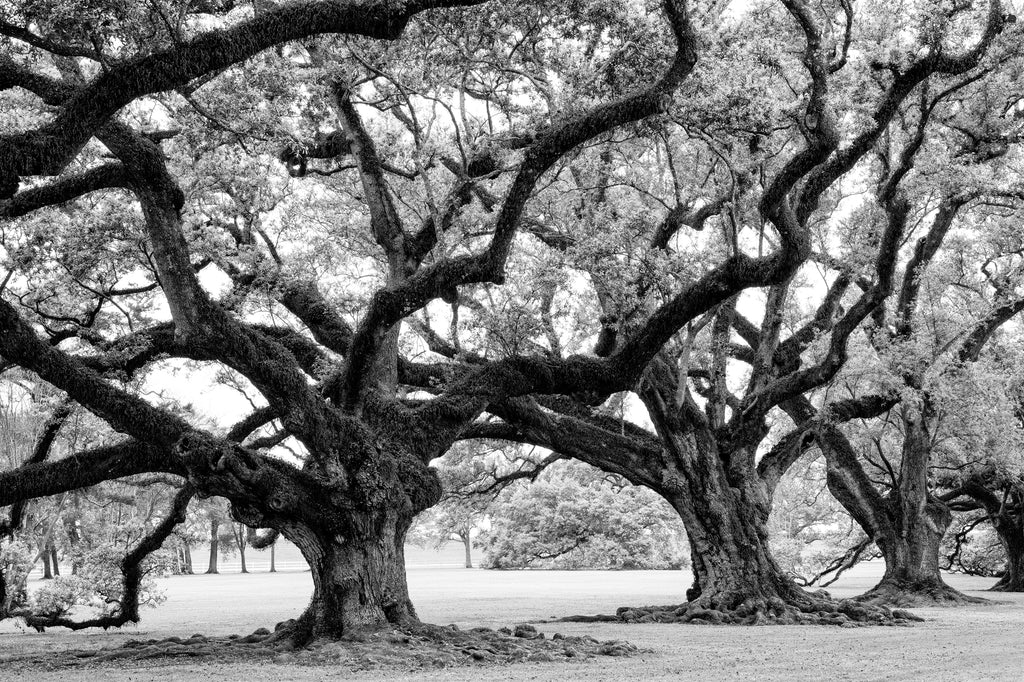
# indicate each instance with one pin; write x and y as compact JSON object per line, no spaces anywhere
{"x":467,"y":543}
{"x":917,"y":520}
{"x":906,"y":525}
{"x":911,"y":553}
{"x":1011,"y":536}
{"x":214,"y":546}
{"x":359,"y":583}
{"x":45,"y":556}
{"x":736,"y":579}
{"x":724,"y":506}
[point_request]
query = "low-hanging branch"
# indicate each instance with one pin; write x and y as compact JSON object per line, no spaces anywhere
{"x":132,"y":570}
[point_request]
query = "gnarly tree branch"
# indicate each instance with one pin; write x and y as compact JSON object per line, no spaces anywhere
{"x":46,"y":150}
{"x":936,"y":61}
{"x":40,"y":452}
{"x":107,"y":176}
{"x":390,"y":305}
{"x":81,"y":470}
{"x":131,"y":568}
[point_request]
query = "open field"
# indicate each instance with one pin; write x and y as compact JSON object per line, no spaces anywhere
{"x":976,"y":643}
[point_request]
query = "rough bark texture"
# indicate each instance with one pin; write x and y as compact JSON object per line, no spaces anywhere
{"x":353,"y":539}
{"x":907,"y":525}
{"x":911,"y":554}
{"x":358,"y":584}
{"x":214,"y":547}
{"x":1003,"y":502}
{"x":912,"y":576}
{"x":467,"y":543}
{"x":1011,"y":536}
{"x":736,"y":579}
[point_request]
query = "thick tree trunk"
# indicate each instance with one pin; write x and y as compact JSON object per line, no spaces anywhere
{"x":467,"y":543}
{"x":907,"y":525}
{"x":187,"y":552}
{"x":44,"y":554}
{"x":736,"y":579}
{"x":910,"y":545}
{"x":214,"y":546}
{"x":911,"y":553}
{"x":359,"y":583}
{"x":273,"y":557}
{"x":53,"y":559}
{"x":241,"y":554}
{"x":724,"y":506}
{"x":1011,"y":535}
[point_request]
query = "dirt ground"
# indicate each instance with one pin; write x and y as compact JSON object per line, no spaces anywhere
{"x":973,"y":643}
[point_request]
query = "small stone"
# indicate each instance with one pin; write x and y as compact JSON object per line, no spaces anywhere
{"x":616,"y":648}
{"x":905,"y":615}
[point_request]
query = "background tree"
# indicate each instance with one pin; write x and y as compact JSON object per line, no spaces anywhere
{"x":982,"y":470}
{"x":945,"y":314}
{"x":459,"y":513}
{"x":812,"y":536}
{"x":575,"y":517}
{"x":705,"y":454}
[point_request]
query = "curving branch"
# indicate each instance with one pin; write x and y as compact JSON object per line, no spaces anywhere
{"x":971,"y":347}
{"x":46,"y":150}
{"x":131,"y":568}
{"x":125,"y":412}
{"x":60,"y":49}
{"x":83,"y":469}
{"x":634,"y":455}
{"x":107,"y":176}
{"x":937,"y":61}
{"x":40,"y":452}
{"x":388,"y":306}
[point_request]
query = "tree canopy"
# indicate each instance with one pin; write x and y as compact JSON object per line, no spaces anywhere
{"x":400,"y":224}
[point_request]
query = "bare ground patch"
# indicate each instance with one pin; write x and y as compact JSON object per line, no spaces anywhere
{"x":977,"y":642}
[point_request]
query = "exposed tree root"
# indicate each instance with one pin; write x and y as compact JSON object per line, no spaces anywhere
{"x":413,"y":646}
{"x":737,"y":609}
{"x":1008,"y":584}
{"x":907,"y":593}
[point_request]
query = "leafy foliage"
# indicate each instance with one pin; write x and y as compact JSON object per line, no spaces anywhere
{"x":573,"y":519}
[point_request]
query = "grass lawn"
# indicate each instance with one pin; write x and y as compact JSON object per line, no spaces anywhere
{"x":972,"y":643}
